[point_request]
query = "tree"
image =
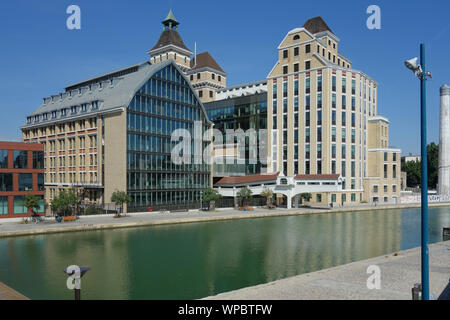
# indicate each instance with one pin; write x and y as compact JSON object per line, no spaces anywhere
{"x":120,"y":198}
{"x":414,"y":169}
{"x":268,"y":194}
{"x":244,"y":194}
{"x":32,"y":202}
{"x":64,"y":202}
{"x":306,"y":197}
{"x":211,"y":196}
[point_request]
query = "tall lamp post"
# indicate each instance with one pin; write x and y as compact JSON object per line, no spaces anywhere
{"x":420,"y":71}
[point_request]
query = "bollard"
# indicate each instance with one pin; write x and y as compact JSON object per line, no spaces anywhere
{"x":416,"y":292}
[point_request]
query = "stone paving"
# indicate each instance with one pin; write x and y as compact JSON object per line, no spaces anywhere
{"x":349,"y":282}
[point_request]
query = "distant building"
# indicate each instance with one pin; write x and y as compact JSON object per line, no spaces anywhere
{"x":21,"y":173}
{"x":411,"y":158}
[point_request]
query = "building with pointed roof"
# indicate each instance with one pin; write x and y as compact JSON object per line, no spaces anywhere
{"x":113,"y":132}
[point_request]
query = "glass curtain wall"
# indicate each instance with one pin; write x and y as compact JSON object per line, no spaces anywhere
{"x":164,"y":104}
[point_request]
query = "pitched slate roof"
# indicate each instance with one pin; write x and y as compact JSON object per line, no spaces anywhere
{"x":204,"y":59}
{"x":111,"y":96}
{"x":168,"y":37}
{"x":247,"y":179}
{"x":316,"y":25}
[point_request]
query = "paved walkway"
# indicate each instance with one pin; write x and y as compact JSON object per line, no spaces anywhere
{"x":13,"y":228}
{"x":349,"y":282}
{"x":6,"y":293}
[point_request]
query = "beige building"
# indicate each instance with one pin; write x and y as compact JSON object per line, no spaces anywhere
{"x":323,"y":116}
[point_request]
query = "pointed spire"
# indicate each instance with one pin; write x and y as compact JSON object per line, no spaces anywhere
{"x":170,"y":22}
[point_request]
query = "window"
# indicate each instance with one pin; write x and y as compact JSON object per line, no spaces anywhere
{"x":375,"y":189}
{"x":296,"y":51}
{"x":3,"y":206}
{"x":25,"y":181}
{"x":192,"y":77}
{"x":20,"y":159}
{"x":198,"y":76}
{"x":6,"y":182}
{"x":318,"y":197}
{"x":41,"y":182}
{"x":200,"y":93}
{"x":308,"y":48}
{"x":296,"y":67}
{"x":19,"y":205}
{"x":213,"y":76}
{"x":285,"y":69}
{"x":308,"y":65}
{"x":210,"y":94}
{"x":3,"y":159}
{"x":220,"y":78}
{"x":285,"y":54}
{"x":296,"y":37}
{"x":38,"y":160}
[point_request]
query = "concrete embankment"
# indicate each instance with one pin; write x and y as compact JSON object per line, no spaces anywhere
{"x":398,"y":274}
{"x":13,"y":228}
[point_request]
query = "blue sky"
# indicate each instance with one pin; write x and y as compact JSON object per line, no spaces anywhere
{"x":39,"y":56}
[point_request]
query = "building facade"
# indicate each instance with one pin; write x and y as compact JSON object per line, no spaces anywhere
{"x":242,"y":107}
{"x":21,"y":173}
{"x":113,"y":133}
{"x":319,"y":111}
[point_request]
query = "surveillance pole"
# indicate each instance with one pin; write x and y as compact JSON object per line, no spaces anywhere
{"x":425,"y":266}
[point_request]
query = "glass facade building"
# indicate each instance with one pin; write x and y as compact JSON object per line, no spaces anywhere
{"x":162,"y":105}
{"x":247,"y":112}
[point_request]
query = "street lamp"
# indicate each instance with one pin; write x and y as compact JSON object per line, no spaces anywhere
{"x":420,"y":72}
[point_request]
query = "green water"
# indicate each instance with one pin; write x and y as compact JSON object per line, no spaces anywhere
{"x":198,"y":260}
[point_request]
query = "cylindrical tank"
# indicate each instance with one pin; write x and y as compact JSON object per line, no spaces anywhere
{"x":444,"y":143}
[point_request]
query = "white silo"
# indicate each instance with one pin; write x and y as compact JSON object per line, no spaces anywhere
{"x":444,"y":143}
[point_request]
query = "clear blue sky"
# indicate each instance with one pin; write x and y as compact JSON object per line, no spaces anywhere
{"x":39,"y":56}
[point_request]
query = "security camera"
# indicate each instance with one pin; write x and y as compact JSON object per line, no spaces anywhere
{"x":414,"y":66}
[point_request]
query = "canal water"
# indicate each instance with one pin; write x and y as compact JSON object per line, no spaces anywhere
{"x":193,"y":261}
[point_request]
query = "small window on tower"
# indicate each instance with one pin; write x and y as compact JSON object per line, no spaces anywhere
{"x":210,"y":94}
{"x":200,"y":93}
{"x":213,"y":76}
{"x":220,"y":78}
{"x":198,"y":75}
{"x":192,"y":77}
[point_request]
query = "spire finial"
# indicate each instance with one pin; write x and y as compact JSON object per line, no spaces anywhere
{"x":170,"y":22}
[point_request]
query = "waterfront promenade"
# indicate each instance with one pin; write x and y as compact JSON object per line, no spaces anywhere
{"x":349,"y":282}
{"x":13,"y":227}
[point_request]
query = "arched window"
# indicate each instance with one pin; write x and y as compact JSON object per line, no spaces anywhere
{"x":284,"y":181}
{"x":296,"y":37}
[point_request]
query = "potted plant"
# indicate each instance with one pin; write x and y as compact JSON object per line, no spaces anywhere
{"x":244,"y":194}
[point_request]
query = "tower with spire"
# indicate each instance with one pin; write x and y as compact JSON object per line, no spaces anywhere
{"x":170,"y":45}
{"x":205,"y":74}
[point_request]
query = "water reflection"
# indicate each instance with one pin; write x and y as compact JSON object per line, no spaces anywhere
{"x":198,"y":260}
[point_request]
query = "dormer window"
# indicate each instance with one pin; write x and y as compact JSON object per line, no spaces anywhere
{"x":100,"y":85}
{"x":73,"y":109}
{"x":84,"y":107}
{"x":95,"y":105}
{"x":63,"y":112}
{"x":79,"y":91}
{"x":45,"y":116}
{"x":53,"y":114}
{"x":90,"y":87}
{"x":29,"y":119}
